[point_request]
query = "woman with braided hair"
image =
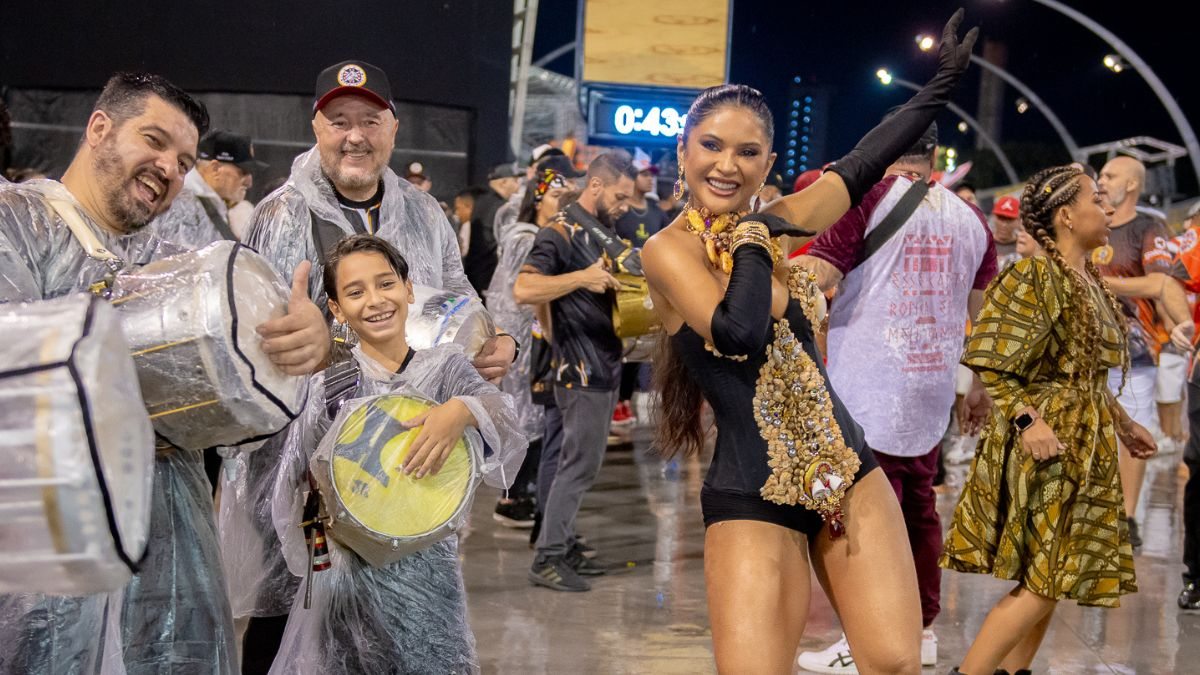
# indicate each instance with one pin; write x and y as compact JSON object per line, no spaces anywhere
{"x":1042,"y":504}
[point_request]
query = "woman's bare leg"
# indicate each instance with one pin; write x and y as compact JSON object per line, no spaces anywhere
{"x":1009,"y":624}
{"x":870,"y":578}
{"x":757,"y":576}
{"x":1021,"y":656}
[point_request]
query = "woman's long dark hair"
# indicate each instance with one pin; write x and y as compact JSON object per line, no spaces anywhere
{"x":679,"y":424}
{"x":528,"y":211}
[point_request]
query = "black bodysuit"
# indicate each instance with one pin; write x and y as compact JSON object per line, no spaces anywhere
{"x":739,"y":466}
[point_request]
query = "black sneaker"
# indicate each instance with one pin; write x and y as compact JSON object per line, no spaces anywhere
{"x":555,"y":573}
{"x":516,"y":514}
{"x":580,"y":545}
{"x":1189,"y":597}
{"x":1135,"y":537}
{"x":583,"y":565}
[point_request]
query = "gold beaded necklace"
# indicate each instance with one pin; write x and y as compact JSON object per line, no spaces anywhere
{"x":716,"y":231}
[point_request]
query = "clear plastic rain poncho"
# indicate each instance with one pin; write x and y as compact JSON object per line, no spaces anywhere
{"x":186,"y":223}
{"x":515,"y":242}
{"x":411,"y":220}
{"x":405,"y":617}
{"x":173,"y":615}
{"x":281,"y":230}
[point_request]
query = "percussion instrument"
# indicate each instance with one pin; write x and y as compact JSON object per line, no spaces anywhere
{"x":190,"y":320}
{"x":375,"y":508}
{"x":439,"y":317}
{"x":640,"y":349}
{"x":633,"y":314}
{"x":76,"y":450}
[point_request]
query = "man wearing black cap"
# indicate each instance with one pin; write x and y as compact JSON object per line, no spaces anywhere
{"x":200,"y":214}
{"x":340,"y":187}
{"x":480,"y":261}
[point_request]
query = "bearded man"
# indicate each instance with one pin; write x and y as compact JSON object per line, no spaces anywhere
{"x":139,"y":142}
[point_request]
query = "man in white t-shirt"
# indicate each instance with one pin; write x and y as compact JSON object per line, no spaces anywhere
{"x":895,"y":338}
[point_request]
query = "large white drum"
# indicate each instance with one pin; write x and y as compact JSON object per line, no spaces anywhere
{"x":439,"y":317}
{"x":76,"y":450}
{"x":374,"y":507}
{"x":190,"y":320}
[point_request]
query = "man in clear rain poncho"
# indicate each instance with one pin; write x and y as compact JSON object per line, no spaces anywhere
{"x":340,"y":187}
{"x":200,"y":213}
{"x":173,"y":616}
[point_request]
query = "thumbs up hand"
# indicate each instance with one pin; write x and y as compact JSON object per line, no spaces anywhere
{"x":298,"y":342}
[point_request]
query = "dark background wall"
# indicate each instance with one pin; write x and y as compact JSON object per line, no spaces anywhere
{"x":448,"y":58}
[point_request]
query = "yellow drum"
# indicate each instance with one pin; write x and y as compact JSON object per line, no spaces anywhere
{"x":375,"y":508}
{"x":633,"y":315}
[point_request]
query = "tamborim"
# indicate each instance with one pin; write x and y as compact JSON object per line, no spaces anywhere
{"x":190,"y":320}
{"x":440,"y":317}
{"x":633,"y":314}
{"x":375,"y":508}
{"x":76,"y":450}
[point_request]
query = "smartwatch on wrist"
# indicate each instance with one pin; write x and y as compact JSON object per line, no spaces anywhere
{"x":1024,"y":421}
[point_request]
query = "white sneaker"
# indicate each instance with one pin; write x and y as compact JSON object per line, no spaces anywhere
{"x":928,"y":648}
{"x":834,"y":659}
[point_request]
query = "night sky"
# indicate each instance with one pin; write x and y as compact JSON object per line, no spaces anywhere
{"x":842,"y":44}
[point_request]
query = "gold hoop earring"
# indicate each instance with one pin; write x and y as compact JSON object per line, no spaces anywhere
{"x":679,"y":185}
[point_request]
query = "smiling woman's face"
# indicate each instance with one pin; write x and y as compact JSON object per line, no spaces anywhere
{"x":726,"y":158}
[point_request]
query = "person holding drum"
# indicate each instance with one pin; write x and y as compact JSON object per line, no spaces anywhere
{"x":342,"y":186}
{"x":401,"y":612}
{"x":567,"y":269}
{"x":792,"y":487}
{"x":139,"y":142}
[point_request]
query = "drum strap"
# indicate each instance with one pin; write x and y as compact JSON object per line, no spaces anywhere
{"x":214,"y":215}
{"x":341,"y":382}
{"x":627,"y":258}
{"x":326,"y":234}
{"x":83,"y":234}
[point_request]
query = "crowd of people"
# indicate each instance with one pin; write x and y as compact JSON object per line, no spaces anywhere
{"x":822,"y":329}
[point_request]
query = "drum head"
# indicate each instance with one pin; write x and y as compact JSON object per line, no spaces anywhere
{"x":371,"y":485}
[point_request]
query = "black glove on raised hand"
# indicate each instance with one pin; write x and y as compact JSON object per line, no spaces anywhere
{"x":865,"y":164}
{"x":777,"y":226}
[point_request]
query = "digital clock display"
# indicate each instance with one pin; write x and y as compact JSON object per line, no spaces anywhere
{"x":645,"y":120}
{"x":656,"y":121}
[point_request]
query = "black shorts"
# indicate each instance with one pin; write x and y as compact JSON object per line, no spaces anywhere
{"x":720,"y":505}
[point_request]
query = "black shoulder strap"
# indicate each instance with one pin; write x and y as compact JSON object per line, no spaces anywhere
{"x":214,"y":215}
{"x":896,"y":218}
{"x":341,"y":382}
{"x":326,"y":234}
{"x":628,"y":259}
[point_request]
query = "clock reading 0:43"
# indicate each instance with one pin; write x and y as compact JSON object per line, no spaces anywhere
{"x":655,"y":121}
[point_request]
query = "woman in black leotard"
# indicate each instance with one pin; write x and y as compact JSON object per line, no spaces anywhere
{"x":791,"y":477}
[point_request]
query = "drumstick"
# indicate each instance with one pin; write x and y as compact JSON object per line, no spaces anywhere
{"x":312,"y":545}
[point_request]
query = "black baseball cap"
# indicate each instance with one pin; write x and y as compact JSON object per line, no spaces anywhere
{"x":353,"y":77}
{"x":561,"y":165}
{"x":503,"y":171}
{"x":226,"y":146}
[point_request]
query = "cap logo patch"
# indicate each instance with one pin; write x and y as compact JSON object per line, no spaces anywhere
{"x":352,"y":76}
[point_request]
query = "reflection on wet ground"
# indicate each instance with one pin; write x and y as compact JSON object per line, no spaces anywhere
{"x":650,"y":616}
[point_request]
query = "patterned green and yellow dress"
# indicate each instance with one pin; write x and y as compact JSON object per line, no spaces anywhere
{"x":1057,"y":526}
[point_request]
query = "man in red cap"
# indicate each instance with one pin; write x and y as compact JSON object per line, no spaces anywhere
{"x":1006,"y":224}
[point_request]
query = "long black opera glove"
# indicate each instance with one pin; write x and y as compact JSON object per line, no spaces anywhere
{"x":887,"y":142}
{"x":740,"y":324}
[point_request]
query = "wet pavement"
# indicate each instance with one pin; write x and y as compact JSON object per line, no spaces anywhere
{"x":649,"y":616}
